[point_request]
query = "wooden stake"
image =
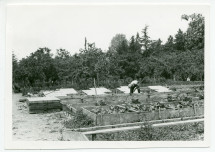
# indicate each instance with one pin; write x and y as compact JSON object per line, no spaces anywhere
{"x":194,"y":108}
{"x":93,"y":137}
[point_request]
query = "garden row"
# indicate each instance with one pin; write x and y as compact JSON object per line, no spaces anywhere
{"x":109,"y":115}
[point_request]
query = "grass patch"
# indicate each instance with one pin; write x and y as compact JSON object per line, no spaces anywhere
{"x":182,"y":132}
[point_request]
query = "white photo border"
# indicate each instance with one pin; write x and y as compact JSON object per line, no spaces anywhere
{"x":10,"y":144}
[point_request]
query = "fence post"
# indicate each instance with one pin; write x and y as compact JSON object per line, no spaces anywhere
{"x":148,"y":97}
{"x":93,"y":137}
{"x":180,"y":114}
{"x":96,"y":120}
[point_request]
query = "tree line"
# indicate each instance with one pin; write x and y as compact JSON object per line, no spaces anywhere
{"x":139,"y":57}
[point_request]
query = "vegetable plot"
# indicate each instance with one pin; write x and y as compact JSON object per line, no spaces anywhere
{"x":126,"y":108}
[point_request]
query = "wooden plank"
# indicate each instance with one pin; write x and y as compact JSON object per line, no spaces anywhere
{"x":137,"y":123}
{"x":138,"y":127}
{"x":42,"y":99}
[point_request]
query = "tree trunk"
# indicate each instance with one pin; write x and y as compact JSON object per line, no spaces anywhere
{"x":174,"y":77}
{"x":97,"y":75}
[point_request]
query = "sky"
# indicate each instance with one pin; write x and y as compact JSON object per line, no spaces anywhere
{"x":29,"y":27}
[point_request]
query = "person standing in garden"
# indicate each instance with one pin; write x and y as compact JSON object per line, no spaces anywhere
{"x":133,"y":86}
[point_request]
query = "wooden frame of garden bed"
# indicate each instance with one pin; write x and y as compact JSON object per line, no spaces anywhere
{"x":43,"y":104}
{"x":111,"y":119}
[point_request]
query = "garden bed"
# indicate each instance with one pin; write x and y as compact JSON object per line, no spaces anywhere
{"x":109,"y":115}
{"x":72,"y":104}
{"x":107,"y":98}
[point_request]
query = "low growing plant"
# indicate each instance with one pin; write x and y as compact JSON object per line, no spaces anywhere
{"x":80,"y":120}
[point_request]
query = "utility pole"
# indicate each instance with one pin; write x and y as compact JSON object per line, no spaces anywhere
{"x":85,"y":43}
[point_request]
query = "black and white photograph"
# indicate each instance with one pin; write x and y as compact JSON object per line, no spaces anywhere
{"x":108,"y":72}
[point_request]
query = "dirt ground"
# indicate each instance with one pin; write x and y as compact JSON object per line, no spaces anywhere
{"x":34,"y":127}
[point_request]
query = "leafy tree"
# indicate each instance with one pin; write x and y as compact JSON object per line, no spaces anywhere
{"x":38,"y":67}
{"x":195,"y":31}
{"x":15,"y":73}
{"x":15,"y":66}
{"x":119,"y":44}
{"x":62,"y":54}
{"x":134,"y":44}
{"x":156,"y":45}
{"x":180,"y":40}
{"x":169,"y":45}
{"x":139,"y":58}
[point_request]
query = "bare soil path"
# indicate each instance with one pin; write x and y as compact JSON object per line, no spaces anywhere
{"x":32,"y":127}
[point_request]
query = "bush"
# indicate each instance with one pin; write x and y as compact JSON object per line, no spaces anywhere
{"x":162,"y":80}
{"x":147,"y":80}
{"x":173,"y":88}
{"x":146,"y":132}
{"x":101,"y":103}
{"x":199,"y":127}
{"x":79,"y":120}
{"x":24,"y":91}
